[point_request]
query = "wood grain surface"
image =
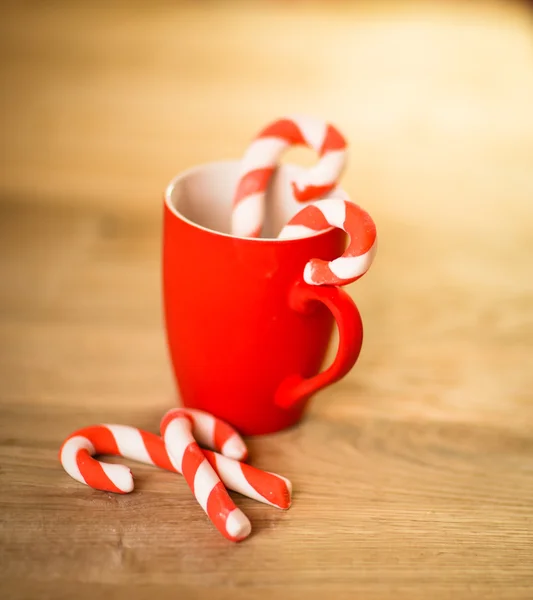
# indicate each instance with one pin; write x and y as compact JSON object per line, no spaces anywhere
{"x":413,"y":476}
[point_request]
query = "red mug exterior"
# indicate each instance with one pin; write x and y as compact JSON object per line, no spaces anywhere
{"x":247,"y":336}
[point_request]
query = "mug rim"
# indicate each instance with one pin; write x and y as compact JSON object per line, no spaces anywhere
{"x":176,"y":213}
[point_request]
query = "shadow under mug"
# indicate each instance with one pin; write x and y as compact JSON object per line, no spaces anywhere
{"x":247,"y":336}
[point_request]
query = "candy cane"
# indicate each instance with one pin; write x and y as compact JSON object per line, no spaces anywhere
{"x":208,"y":489}
{"x":77,"y":450}
{"x":262,"y":156}
{"x":341,"y":213}
{"x":217,"y":434}
{"x":135,"y":444}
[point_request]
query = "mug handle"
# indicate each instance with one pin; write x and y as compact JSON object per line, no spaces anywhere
{"x":296,"y":389}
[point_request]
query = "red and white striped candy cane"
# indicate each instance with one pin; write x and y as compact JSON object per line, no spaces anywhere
{"x":77,"y":450}
{"x":344,"y":214}
{"x":121,"y":440}
{"x":76,"y":457}
{"x":263,"y":486}
{"x":211,"y":432}
{"x":261,"y":158}
{"x":208,"y":489}
{"x":135,"y":444}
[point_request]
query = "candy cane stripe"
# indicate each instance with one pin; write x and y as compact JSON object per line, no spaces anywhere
{"x":251,"y":213}
{"x":233,"y":448}
{"x":249,"y":481}
{"x":340,"y":271}
{"x":157,"y":452}
{"x":77,"y":461}
{"x":312,"y":217}
{"x":203,"y":426}
{"x":261,"y":153}
{"x":177,"y":430}
{"x":292,"y":232}
{"x":130,"y":443}
{"x":200,"y":476}
{"x":334,"y":213}
{"x":103,"y":437}
{"x":313,"y":132}
{"x":237,"y":525}
{"x":318,"y":179}
{"x":114,"y":479}
{"x":205,"y":480}
{"x":235,"y":478}
{"x":344,"y":267}
{"x":310,"y":191}
{"x":305,"y":223}
{"x":119,"y":475}
{"x":227,"y":441}
{"x":345,"y":215}
{"x":333,"y":140}
{"x":253,"y":182}
{"x":210,"y":431}
{"x":276,"y":492}
{"x":72,"y":447}
{"x":192,"y":459}
{"x":288,"y":130}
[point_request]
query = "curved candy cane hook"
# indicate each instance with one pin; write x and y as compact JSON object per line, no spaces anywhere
{"x":77,"y":451}
{"x":262,"y":156}
{"x":336,"y":211}
{"x":208,"y":489}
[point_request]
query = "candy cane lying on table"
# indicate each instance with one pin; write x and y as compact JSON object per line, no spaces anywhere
{"x":205,"y":484}
{"x":261,"y":158}
{"x":336,"y":212}
{"x":121,"y":440}
{"x":145,"y":447}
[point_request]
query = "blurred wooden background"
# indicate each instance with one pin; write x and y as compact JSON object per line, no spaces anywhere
{"x":413,"y":476}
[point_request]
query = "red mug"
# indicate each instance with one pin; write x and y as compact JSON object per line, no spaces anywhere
{"x":247,"y":336}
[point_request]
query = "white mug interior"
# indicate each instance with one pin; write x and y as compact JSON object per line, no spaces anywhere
{"x":203,"y":195}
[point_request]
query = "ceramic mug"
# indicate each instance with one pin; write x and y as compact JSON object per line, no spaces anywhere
{"x":247,"y":336}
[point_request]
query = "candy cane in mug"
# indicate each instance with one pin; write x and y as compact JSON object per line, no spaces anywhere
{"x":261,"y":159}
{"x":344,"y":214}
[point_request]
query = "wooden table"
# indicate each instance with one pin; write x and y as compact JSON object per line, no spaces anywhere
{"x":413,"y":477}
